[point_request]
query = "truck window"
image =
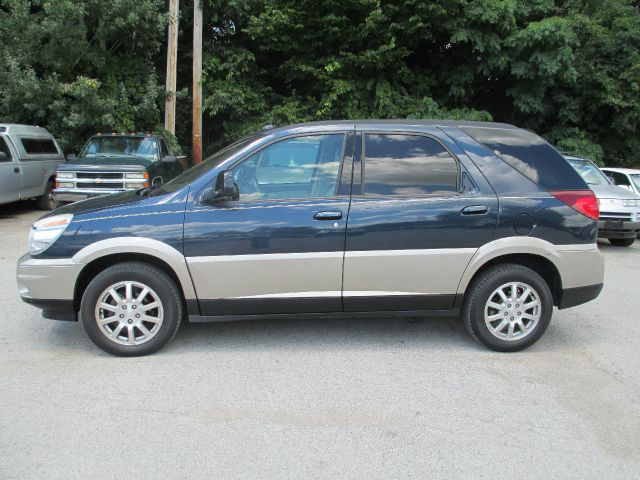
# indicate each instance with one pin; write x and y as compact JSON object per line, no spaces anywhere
{"x":4,"y":148}
{"x":39,"y":146}
{"x":407,"y":165}
{"x":163,"y":148}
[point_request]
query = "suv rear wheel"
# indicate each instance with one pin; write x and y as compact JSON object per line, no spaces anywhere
{"x":131,"y":309}
{"x":508,"y":307}
{"x":622,"y":242}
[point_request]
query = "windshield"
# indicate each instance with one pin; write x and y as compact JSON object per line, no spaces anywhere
{"x":589,"y":172}
{"x":143,"y":147}
{"x":635,"y":178}
{"x":214,"y":160}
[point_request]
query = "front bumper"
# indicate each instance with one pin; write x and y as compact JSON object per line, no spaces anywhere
{"x":611,"y":228}
{"x":76,"y":194}
{"x":49,"y":284}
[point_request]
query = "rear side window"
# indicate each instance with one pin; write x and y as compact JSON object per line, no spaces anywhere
{"x":530,"y":155}
{"x":4,"y":148}
{"x":408,"y":165}
{"x":620,"y":178}
{"x":39,"y":146}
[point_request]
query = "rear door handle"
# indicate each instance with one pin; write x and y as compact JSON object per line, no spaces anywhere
{"x":330,"y":215}
{"x":16,"y":169}
{"x":475,"y":210}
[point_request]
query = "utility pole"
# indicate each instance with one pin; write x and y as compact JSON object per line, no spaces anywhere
{"x":197,"y":82}
{"x":172,"y":56}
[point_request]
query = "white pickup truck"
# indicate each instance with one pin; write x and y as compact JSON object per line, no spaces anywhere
{"x":29,"y":157}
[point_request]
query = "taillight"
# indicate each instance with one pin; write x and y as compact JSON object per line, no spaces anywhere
{"x":584,"y":201}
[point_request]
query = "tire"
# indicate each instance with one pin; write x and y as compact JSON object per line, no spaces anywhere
{"x":47,"y":201}
{"x":135,"y":329}
{"x":622,"y":242}
{"x":533,"y":320}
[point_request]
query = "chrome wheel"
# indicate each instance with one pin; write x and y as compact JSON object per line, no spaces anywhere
{"x":512,"y":311}
{"x":129,"y":313}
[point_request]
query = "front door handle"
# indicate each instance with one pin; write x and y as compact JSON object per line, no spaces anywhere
{"x":475,"y":210}
{"x":330,"y":215}
{"x":16,"y":169}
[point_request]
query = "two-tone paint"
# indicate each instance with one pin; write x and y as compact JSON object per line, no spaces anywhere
{"x":348,"y":253}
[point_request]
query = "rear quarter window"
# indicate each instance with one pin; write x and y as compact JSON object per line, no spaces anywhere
{"x":39,"y":146}
{"x":530,"y":155}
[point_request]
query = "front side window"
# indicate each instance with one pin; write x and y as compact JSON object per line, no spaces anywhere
{"x":620,"y":179}
{"x":408,"y":165}
{"x":298,"y":167}
{"x":4,"y":148}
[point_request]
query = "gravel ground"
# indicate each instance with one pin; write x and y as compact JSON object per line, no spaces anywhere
{"x":379,"y":398}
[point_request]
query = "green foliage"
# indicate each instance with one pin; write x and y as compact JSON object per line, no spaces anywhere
{"x":568,"y":69}
{"x":77,"y":67}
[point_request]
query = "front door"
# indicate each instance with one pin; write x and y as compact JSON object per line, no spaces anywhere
{"x":9,"y":174}
{"x":412,"y":227}
{"x":279,"y":248}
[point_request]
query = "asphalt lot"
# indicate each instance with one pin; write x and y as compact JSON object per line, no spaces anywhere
{"x":379,"y":398}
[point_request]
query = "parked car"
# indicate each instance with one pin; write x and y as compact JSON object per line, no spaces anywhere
{"x":115,"y":162}
{"x":627,"y":178}
{"x":619,"y":208}
{"x":364,"y":218}
{"x":29,"y":157}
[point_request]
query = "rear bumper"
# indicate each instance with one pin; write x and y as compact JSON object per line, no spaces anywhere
{"x":622,"y":229}
{"x":579,"y":295}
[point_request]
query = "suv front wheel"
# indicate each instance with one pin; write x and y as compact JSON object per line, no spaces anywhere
{"x":131,"y":309}
{"x":508,"y":307}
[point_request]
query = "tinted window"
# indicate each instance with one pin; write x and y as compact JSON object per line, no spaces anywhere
{"x":39,"y":146}
{"x":4,"y":148}
{"x":619,"y":178}
{"x":530,"y":155}
{"x":407,"y":165}
{"x":300,"y":167}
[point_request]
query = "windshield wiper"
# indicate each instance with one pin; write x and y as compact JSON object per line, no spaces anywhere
{"x":136,"y":155}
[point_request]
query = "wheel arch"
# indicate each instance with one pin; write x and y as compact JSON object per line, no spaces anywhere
{"x":100,"y":255}
{"x":536,"y":254}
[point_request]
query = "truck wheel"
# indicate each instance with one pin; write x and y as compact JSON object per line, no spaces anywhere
{"x":131,"y":309}
{"x":507,"y":307}
{"x":622,"y":242}
{"x":48,"y":201}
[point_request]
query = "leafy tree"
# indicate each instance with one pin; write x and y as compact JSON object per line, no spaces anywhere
{"x":77,"y":67}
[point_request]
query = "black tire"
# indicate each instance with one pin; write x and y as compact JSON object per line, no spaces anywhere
{"x":622,"y":242}
{"x":48,"y":201}
{"x":481,"y":289}
{"x":149,"y":276}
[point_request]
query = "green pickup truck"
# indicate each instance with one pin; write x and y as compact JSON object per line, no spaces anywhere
{"x":114,"y":162}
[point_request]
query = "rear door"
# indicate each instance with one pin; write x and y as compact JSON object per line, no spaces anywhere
{"x":9,"y":174}
{"x":416,"y":219}
{"x":279,"y":248}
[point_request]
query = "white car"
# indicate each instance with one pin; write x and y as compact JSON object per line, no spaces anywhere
{"x":628,"y":178}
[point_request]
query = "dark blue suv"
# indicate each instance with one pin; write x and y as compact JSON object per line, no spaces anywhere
{"x":354,"y":218}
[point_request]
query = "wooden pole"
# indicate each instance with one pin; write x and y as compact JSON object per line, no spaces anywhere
{"x":197,"y":82}
{"x":172,"y":57}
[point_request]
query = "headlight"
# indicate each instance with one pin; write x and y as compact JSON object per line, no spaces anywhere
{"x":65,"y":175}
{"x":136,"y":176}
{"x":630,"y":202}
{"x":46,"y":231}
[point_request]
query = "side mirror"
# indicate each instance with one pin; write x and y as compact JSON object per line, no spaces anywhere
{"x":157,"y":182}
{"x":3,"y":157}
{"x":71,"y":156}
{"x":225,"y":188}
{"x":169,"y":159}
